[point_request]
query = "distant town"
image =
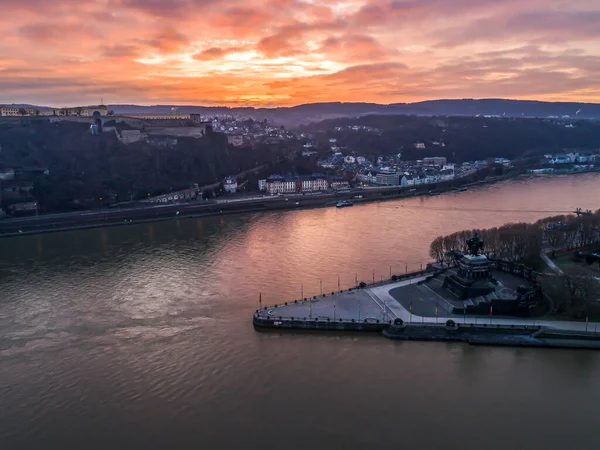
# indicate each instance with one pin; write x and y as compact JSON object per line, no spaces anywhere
{"x":238,"y":155}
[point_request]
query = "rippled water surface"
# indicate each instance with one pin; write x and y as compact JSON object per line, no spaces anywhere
{"x":141,"y":337}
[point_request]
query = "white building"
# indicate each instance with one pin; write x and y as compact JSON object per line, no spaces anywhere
{"x":435,"y":161}
{"x":7,"y":174}
{"x":230,"y":185}
{"x":12,"y":111}
{"x":419,"y":145}
{"x":361,"y":160}
{"x":314,"y":183}
{"x":388,"y":178}
{"x":262,"y":185}
{"x":349,"y":159}
{"x":407,"y":180}
{"x":367,"y":177}
{"x":279,"y":185}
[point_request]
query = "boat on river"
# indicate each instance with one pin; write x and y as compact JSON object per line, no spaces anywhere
{"x":343,"y":204}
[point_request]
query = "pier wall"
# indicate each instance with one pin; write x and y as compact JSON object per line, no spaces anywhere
{"x":498,"y":335}
{"x":319,"y":324}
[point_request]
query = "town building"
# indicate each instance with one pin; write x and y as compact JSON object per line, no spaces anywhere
{"x":230,"y":185}
{"x":435,"y":161}
{"x":369,"y":176}
{"x":14,"y":111}
{"x":338,"y":183}
{"x":276,"y":184}
{"x":314,"y":183}
{"x":407,"y":180}
{"x":237,"y":140}
{"x":131,"y":136}
{"x":175,"y":197}
{"x":419,"y":145}
{"x":7,"y":174}
{"x":163,"y":116}
{"x":388,"y":178}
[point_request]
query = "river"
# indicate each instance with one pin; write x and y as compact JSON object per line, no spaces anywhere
{"x":140,"y":337}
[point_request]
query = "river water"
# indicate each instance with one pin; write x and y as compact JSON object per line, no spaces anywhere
{"x":140,"y":337}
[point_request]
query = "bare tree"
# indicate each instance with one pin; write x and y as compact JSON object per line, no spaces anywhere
{"x":79,"y":110}
{"x":22,"y":112}
{"x":556,"y":238}
{"x":436,"y":250}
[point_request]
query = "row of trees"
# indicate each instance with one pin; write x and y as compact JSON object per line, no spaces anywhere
{"x":514,"y":242}
{"x":571,"y":292}
{"x":570,"y":231}
{"x":522,"y":242}
{"x":576,"y":295}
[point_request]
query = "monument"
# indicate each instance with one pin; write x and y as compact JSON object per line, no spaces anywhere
{"x":472,"y":279}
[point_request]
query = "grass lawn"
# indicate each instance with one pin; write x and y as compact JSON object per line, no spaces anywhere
{"x":564,"y":260}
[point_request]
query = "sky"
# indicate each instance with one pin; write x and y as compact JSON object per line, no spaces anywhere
{"x":288,"y":52}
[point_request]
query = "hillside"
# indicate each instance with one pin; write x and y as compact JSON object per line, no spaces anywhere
{"x":463,"y":138}
{"x":84,"y":169}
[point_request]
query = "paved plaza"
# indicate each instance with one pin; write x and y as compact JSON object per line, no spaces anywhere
{"x":392,"y":300}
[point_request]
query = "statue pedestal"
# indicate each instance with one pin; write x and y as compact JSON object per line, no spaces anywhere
{"x":472,"y":278}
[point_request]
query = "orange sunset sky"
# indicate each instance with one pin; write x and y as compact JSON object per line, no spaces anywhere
{"x":286,"y":52}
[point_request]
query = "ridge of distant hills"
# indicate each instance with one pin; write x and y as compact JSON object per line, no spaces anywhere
{"x":311,"y":112}
{"x":320,"y":111}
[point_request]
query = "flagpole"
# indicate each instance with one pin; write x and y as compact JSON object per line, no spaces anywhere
{"x":338,"y":282}
{"x":260,"y":300}
{"x":321,"y":287}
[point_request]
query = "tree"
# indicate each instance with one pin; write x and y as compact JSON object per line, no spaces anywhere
{"x":22,"y":112}
{"x":436,"y":249}
{"x":556,"y":238}
{"x":79,"y":110}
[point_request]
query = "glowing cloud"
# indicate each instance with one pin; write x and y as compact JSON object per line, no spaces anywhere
{"x":283,"y":52}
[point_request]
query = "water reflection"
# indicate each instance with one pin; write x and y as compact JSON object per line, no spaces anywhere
{"x":139,"y":336}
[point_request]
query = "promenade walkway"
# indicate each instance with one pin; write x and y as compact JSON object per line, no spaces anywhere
{"x":382,"y":293}
{"x":376,"y":303}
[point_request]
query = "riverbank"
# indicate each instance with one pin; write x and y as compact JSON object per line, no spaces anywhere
{"x":497,"y":335}
{"x":52,"y":223}
{"x":110,"y":217}
{"x":374,"y":309}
